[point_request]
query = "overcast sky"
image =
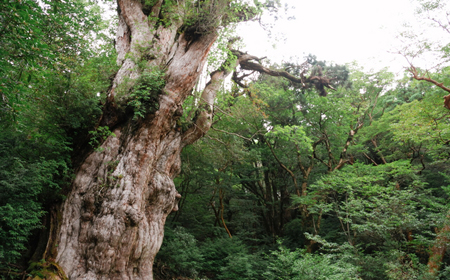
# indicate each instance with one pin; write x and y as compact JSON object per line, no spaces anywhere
{"x":340,"y":31}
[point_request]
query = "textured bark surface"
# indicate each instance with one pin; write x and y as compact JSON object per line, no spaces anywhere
{"x":112,"y":222}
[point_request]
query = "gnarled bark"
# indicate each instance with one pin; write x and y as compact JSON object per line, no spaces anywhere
{"x":112,"y":222}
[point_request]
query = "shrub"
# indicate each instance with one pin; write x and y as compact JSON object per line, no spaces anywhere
{"x":299,"y":265}
{"x":180,"y":252}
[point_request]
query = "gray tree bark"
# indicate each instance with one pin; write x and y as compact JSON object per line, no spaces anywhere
{"x":112,"y":222}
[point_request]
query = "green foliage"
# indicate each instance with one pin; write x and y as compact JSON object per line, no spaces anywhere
{"x":202,"y":17}
{"x":380,"y":203}
{"x":45,"y":270}
{"x":294,"y":134}
{"x":403,"y":266}
{"x":299,"y":265}
{"x":371,"y":218}
{"x":228,"y":258}
{"x":146,"y":91}
{"x":242,"y":265}
{"x":50,"y":89}
{"x":99,"y":135}
{"x":36,"y":37}
{"x":219,"y":258}
{"x":180,"y":251}
{"x":27,"y":180}
{"x":427,"y":120}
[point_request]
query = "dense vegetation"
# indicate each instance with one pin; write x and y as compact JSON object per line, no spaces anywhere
{"x":286,"y":185}
{"x":291,"y":185}
{"x":51,"y":77}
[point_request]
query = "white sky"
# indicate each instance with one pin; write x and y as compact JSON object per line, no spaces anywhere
{"x":339,"y":31}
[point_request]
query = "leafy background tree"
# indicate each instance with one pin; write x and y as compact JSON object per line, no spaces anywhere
{"x":372,"y":194}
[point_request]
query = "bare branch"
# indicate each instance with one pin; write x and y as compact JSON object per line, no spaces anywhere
{"x":443,"y":26}
{"x":416,"y":76}
{"x":235,"y":134}
{"x":318,"y":81}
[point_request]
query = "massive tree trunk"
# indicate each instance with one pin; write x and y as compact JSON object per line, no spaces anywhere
{"x":112,"y":222}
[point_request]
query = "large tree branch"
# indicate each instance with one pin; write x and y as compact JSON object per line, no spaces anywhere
{"x":203,"y":120}
{"x":248,"y":65}
{"x":416,"y":76}
{"x":318,"y":81}
{"x":343,"y":159}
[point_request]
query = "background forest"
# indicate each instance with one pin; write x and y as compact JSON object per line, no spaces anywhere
{"x":287,"y":184}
